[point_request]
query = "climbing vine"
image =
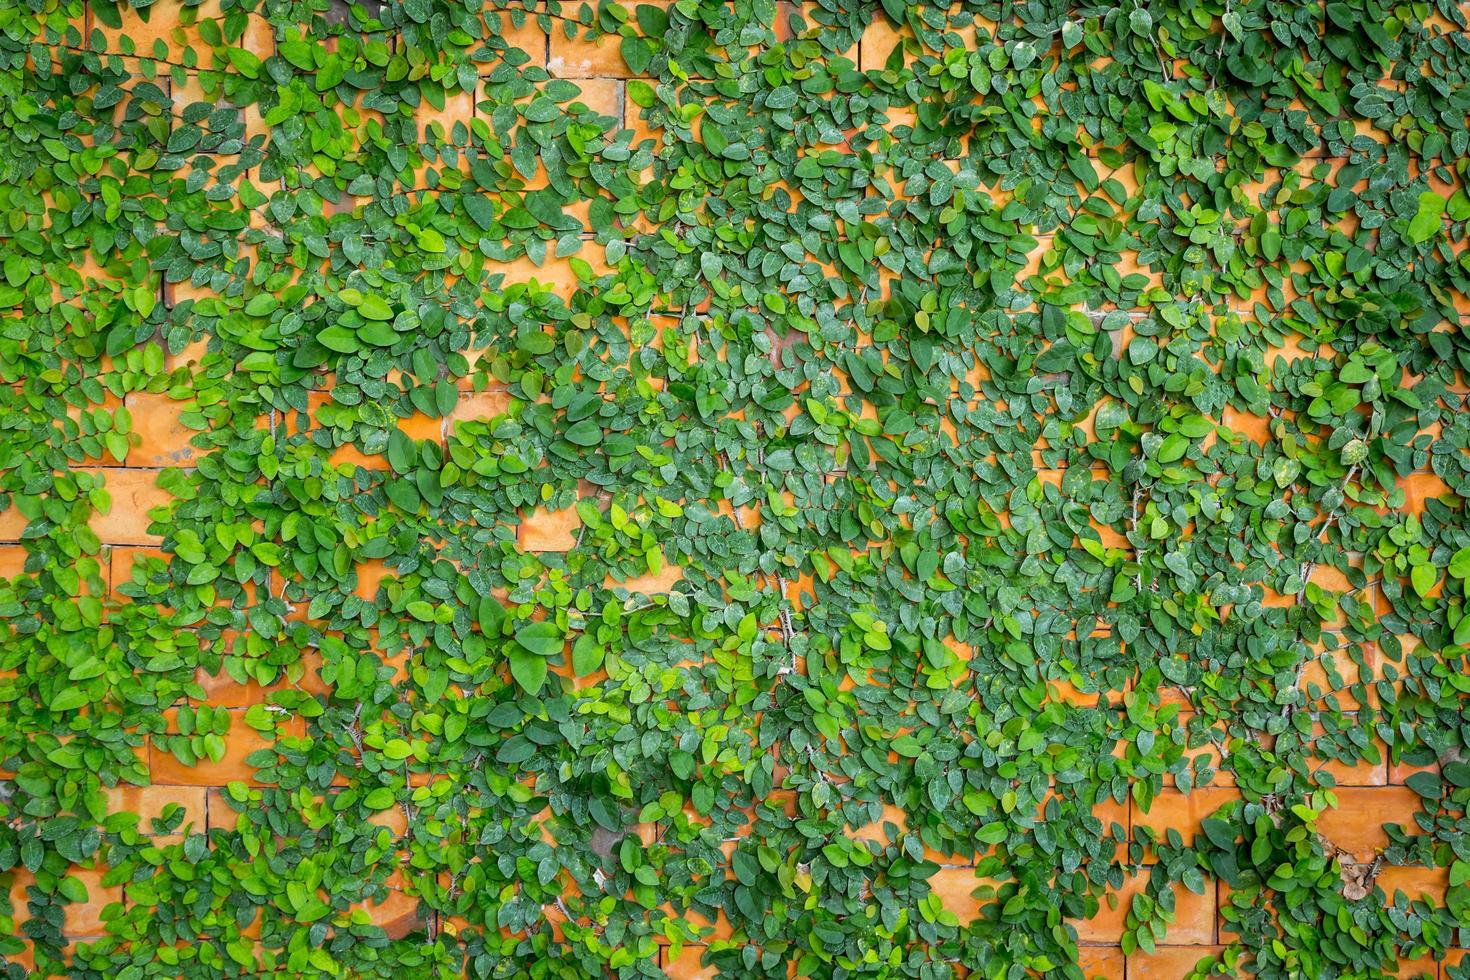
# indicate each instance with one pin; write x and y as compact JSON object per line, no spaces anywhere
{"x":882,"y":446}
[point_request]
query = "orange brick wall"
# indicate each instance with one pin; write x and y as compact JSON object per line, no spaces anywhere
{"x":1369,"y":797}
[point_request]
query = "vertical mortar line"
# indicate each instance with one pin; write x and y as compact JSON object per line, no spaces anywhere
{"x":546,"y":43}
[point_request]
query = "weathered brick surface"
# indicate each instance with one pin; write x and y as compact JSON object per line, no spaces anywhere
{"x":134,"y":493}
{"x":549,"y":530}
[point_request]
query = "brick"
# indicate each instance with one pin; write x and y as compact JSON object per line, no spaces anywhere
{"x":219,"y":810}
{"x":1183,"y":812}
{"x":528,"y":37}
{"x":955,"y":886}
{"x":1105,"y":962}
{"x":548,"y":530}
{"x":643,"y":129}
{"x":149,"y":802}
{"x":12,"y":523}
{"x":459,"y":107}
{"x":83,"y":919}
{"x":580,"y":58}
{"x":1398,"y":772}
{"x":478,"y":406}
{"x":164,"y":18}
{"x":1315,"y":674}
{"x":1168,"y":962}
{"x":874,"y":831}
{"x":193,"y":89}
{"x":164,"y":439}
{"x":326,"y":413}
{"x":555,"y":275}
{"x":12,"y":560}
{"x":240,"y":741}
{"x":603,"y":96}
{"x":124,"y":559}
{"x":1414,"y":882}
{"x":1356,"y":826}
{"x":1256,"y":428}
{"x":370,"y":575}
{"x":1419,"y":488}
{"x":396,"y":913}
{"x":1194,"y":916}
{"x":223,"y":691}
{"x":687,"y":966}
{"x":877,"y":43}
{"x":649,"y":582}
{"x":134,"y":493}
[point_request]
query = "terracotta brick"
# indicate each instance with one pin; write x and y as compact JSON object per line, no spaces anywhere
{"x":1194,"y":916}
{"x":123,"y":559}
{"x":643,"y":129}
{"x":1168,"y":962}
{"x":164,"y":18}
{"x":133,"y":493}
{"x":686,"y":965}
{"x":1104,"y":962}
{"x":1419,"y":488}
{"x":479,"y":406}
{"x":874,"y":831}
{"x":528,"y":37}
{"x":549,"y":530}
{"x":12,"y":523}
{"x":193,"y":89}
{"x":82,"y":918}
{"x":223,"y":691}
{"x":219,"y":811}
{"x":603,"y":96}
{"x":1315,"y":673}
{"x":1414,"y":882}
{"x":1183,"y":812}
{"x":164,"y":438}
{"x":1256,"y":428}
{"x":396,"y":914}
{"x":555,"y":274}
{"x":416,"y":426}
{"x":954,"y":887}
{"x":1356,"y":826}
{"x":580,"y":58}
{"x":370,"y":575}
{"x":1398,"y":772}
{"x":459,"y":107}
{"x":149,"y":803}
{"x":650,"y":583}
{"x":12,"y":560}
{"x":877,"y":43}
{"x":393,"y":818}
{"x":1360,"y":773}
{"x":240,"y":741}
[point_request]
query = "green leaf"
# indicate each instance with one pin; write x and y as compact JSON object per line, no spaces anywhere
{"x":69,"y":699}
{"x":480,"y":209}
{"x":339,"y":339}
{"x":1424,"y":578}
{"x":1426,"y":221}
{"x":374,"y":307}
{"x":587,"y":656}
{"x":545,"y":639}
{"x":1426,"y":784}
{"x":491,"y":615}
{"x":528,"y":669}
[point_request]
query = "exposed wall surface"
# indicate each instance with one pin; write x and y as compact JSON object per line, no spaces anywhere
{"x":744,"y":490}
